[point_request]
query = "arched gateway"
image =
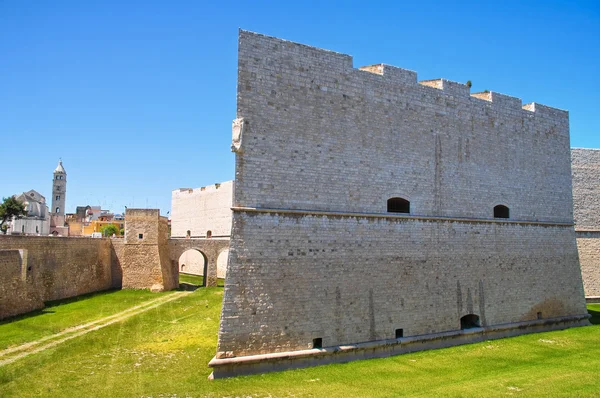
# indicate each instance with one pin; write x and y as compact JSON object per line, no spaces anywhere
{"x":209,"y":249}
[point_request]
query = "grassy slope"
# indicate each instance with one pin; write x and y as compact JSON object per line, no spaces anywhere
{"x":164,"y":352}
{"x":62,"y":314}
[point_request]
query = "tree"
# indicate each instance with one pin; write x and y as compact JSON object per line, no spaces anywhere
{"x":109,"y":230}
{"x":469,"y":84}
{"x":10,"y":208}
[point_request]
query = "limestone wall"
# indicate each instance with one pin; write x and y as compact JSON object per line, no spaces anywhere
{"x":17,"y":291}
{"x":352,"y":279}
{"x":319,"y":134}
{"x":586,"y":203}
{"x":320,"y":148}
{"x":201,"y":210}
{"x":588,"y":244}
{"x":64,"y":267}
{"x":144,"y":257}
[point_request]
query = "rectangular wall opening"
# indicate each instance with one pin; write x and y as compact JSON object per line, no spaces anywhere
{"x":399,"y":333}
{"x":318,"y":343}
{"x":539,"y":315}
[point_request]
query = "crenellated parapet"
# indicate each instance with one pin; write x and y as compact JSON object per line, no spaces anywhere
{"x":306,"y":60}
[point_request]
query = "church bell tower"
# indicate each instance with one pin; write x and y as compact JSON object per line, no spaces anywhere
{"x":59,"y":190}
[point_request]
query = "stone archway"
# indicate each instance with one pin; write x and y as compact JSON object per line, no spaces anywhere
{"x":192,"y":261}
{"x":210,"y":248}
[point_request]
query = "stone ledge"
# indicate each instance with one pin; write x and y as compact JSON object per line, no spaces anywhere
{"x":592,"y":299}
{"x":395,"y":216}
{"x":238,"y":366}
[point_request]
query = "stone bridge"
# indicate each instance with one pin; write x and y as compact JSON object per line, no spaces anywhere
{"x":210,"y":248}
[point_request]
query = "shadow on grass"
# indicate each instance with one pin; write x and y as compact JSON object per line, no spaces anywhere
{"x":595,"y":319}
{"x":79,"y":298}
{"x":188,"y":287}
{"x":49,"y":304}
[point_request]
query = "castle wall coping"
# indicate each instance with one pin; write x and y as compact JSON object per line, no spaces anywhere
{"x":395,"y":216}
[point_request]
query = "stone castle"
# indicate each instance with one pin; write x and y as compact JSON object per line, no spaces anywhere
{"x":371,"y":215}
{"x":374,"y":214}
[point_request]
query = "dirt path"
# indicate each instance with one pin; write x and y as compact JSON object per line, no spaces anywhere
{"x":33,"y":347}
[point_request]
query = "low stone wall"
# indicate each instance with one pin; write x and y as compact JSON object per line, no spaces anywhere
{"x":65,"y":267}
{"x":17,"y":292}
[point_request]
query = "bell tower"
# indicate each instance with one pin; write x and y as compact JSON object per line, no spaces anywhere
{"x":59,"y":190}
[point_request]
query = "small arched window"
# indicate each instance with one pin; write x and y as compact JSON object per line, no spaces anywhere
{"x":398,"y":205}
{"x":57,"y":210}
{"x":188,"y":234}
{"x":469,"y":322}
{"x":209,"y":234}
{"x":501,"y":211}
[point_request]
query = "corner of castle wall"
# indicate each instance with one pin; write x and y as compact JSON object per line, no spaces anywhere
{"x":547,"y":111}
{"x":251,"y":42}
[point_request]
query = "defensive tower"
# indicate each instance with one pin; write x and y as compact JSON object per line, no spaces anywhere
{"x":375,"y":214}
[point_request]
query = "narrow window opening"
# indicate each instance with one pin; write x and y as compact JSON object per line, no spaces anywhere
{"x":57,"y":197}
{"x":209,"y":234}
{"x":37,"y":229}
{"x":501,"y":211}
{"x":23,"y":229}
{"x":399,"y":333}
{"x":469,"y":322}
{"x":318,"y":343}
{"x":398,"y":205}
{"x":188,"y":233}
{"x":140,"y":236}
{"x":539,"y":315}
{"x":58,"y":210}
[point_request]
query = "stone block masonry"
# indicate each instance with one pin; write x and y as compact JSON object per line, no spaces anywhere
{"x":202,"y":211}
{"x":586,"y":203}
{"x":56,"y":268}
{"x":374,"y":214}
{"x":145,"y":259}
{"x":17,"y":292}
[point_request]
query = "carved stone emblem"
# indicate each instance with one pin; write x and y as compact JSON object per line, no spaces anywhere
{"x":237,"y":129}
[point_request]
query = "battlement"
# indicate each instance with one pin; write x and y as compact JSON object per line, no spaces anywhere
{"x":307,"y":60}
{"x":399,"y":75}
{"x":207,"y":188}
{"x":448,"y":86}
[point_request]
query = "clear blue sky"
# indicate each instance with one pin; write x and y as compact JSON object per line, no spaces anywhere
{"x":137,"y":97}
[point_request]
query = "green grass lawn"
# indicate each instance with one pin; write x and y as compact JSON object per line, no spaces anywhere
{"x":196,"y":280}
{"x":60,"y":315}
{"x":164,"y":352}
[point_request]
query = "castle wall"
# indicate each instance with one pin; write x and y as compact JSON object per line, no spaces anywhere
{"x":64,"y":267}
{"x":202,"y":209}
{"x":586,"y":203}
{"x":319,"y":134}
{"x":320,"y":148}
{"x":17,"y":292}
